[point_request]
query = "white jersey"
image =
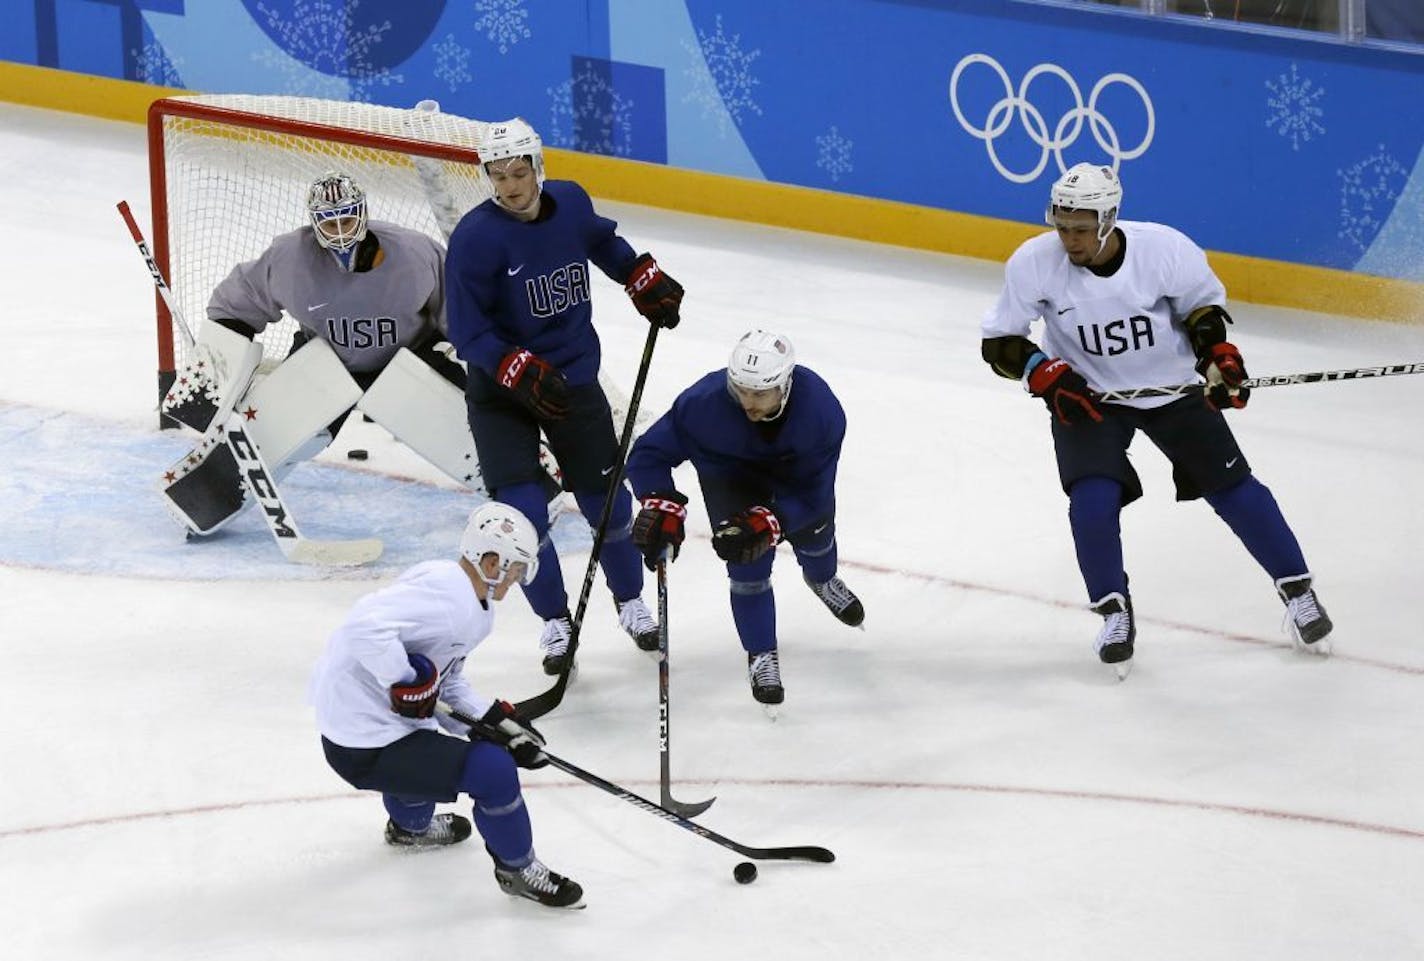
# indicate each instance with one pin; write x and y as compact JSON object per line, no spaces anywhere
{"x":430,"y":609}
{"x":366,"y":317}
{"x":1121,"y":331}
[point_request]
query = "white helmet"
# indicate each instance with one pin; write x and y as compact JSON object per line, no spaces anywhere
{"x":762,"y":360}
{"x":496,"y":528}
{"x":1088,"y":186}
{"x":513,"y":138}
{"x":336,"y":205}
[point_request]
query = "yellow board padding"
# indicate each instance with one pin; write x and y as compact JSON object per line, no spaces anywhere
{"x":1251,"y":279}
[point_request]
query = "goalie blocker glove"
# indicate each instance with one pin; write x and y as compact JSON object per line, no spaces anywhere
{"x":659,"y":525}
{"x":503,"y":725}
{"x":655,"y":295}
{"x":536,"y":384}
{"x":746,"y":536}
{"x":417,"y":698}
{"x":1063,"y":390}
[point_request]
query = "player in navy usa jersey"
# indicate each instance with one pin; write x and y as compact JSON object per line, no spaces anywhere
{"x":766,"y":457}
{"x":518,"y":297}
{"x":1129,"y":304}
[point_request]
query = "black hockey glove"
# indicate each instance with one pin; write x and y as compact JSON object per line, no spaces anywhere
{"x":743,"y":537}
{"x":1224,"y":370}
{"x":655,"y":295}
{"x":504,"y":726}
{"x":538,"y":386}
{"x":1065,"y":392}
{"x":659,"y":525}
{"x":417,"y":698}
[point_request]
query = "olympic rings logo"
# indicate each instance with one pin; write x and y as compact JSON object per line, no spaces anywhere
{"x":1068,"y":127}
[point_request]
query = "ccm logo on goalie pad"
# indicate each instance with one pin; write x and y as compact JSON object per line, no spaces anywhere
{"x":261,"y":485}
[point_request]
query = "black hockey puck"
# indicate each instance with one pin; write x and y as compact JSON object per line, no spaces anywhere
{"x":745,"y":873}
{"x":357,"y":453}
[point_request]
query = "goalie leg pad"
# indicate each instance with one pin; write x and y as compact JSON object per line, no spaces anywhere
{"x":213,"y":378}
{"x":204,"y":490}
{"x":285,"y":410}
{"x":426,"y":413}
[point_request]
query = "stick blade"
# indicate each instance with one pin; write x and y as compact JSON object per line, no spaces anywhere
{"x":686,"y":810}
{"x":351,"y":553}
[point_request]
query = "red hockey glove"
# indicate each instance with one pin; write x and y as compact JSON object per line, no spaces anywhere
{"x":659,"y":525}
{"x":538,"y":386}
{"x":517,"y":735}
{"x":655,"y":295}
{"x":742,"y":538}
{"x":417,"y":698}
{"x":1065,"y":392}
{"x":1224,"y":370}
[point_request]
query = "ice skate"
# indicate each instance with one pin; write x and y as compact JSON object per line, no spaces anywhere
{"x":638,"y":623}
{"x":1305,"y":619}
{"x":839,"y":600}
{"x":764,"y":672}
{"x":444,"y":829}
{"x":537,"y":883}
{"x":555,"y":643}
{"x":1114,"y":643}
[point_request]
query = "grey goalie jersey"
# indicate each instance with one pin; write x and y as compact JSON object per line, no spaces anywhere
{"x":365,"y":317}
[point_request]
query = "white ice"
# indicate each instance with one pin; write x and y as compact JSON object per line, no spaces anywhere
{"x":989,"y":791}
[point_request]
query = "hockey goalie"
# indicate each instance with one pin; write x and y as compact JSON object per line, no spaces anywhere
{"x":368,"y":297}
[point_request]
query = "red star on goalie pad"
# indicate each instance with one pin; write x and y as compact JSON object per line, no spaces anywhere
{"x":169,"y":477}
{"x":250,"y":413}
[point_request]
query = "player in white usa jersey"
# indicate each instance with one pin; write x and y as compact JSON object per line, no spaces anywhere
{"x":401,"y":651}
{"x":1126,"y":305}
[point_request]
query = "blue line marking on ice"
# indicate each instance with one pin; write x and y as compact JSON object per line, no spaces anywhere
{"x":82,"y":495}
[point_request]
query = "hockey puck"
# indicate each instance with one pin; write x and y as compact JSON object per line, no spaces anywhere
{"x":745,"y":873}
{"x":357,"y":453}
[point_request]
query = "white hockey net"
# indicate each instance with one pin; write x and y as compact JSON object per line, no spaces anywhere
{"x":231,"y":172}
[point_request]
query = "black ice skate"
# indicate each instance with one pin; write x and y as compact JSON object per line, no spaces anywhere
{"x":764,"y":671}
{"x":444,"y":829}
{"x":637,"y":622}
{"x":840,"y":601}
{"x":537,"y":883}
{"x":1305,"y":615}
{"x":555,"y":643}
{"x":1119,"y":631}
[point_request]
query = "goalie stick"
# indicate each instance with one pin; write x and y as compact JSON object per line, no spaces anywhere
{"x":1278,"y":380}
{"x":687,"y":810}
{"x":255,"y":474}
{"x":791,"y":853}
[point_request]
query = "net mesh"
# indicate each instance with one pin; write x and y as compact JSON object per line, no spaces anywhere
{"x":232,"y":182}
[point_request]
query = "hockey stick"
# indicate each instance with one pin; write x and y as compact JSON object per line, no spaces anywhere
{"x":664,"y":733}
{"x":543,"y":703}
{"x":793,"y":853}
{"x":1278,"y":380}
{"x":255,"y":474}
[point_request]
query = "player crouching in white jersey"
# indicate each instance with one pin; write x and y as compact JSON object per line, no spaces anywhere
{"x":369,"y":299}
{"x":402,"y":650}
{"x":1131,"y":304}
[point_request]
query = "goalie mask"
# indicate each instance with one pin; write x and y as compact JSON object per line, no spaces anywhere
{"x":499,"y":529}
{"x":337,"y":207}
{"x":759,"y":374}
{"x":505,"y":143}
{"x":1087,"y":187}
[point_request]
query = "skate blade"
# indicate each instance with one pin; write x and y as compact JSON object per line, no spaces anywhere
{"x":772,"y":711}
{"x":1121,"y":669}
{"x":1320,"y":648}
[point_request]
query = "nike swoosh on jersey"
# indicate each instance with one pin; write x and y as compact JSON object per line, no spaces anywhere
{"x":1232,"y":462}
{"x":1065,"y":310}
{"x":319,"y":306}
{"x":514,"y":270}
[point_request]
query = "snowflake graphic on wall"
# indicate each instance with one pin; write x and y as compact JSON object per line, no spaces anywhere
{"x":1295,"y":109}
{"x":452,"y":61}
{"x":588,"y":114}
{"x":153,"y":65}
{"x":1368,"y":190}
{"x":833,"y":154}
{"x":722,"y":77}
{"x":504,"y":22}
{"x":322,"y":35}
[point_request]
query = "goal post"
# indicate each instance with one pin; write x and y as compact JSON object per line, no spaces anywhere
{"x":228,"y":173}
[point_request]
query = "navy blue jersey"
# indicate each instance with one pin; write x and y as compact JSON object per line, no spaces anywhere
{"x":796,"y":456}
{"x":511,"y":283}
